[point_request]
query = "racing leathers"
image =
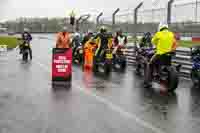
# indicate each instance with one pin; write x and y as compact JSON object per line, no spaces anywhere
{"x":76,"y":43}
{"x":119,"y":40}
{"x":146,"y":40}
{"x":104,"y":41}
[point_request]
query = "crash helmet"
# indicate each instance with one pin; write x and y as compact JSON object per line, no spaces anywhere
{"x":119,"y":31}
{"x":64,"y":29}
{"x":77,"y":35}
{"x":103,"y":29}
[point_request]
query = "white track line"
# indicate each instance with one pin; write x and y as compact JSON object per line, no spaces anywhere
{"x":112,"y":106}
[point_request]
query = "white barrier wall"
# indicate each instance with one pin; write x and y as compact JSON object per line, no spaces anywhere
{"x":186,"y":38}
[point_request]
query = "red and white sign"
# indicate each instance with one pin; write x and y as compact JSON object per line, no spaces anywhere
{"x":62,"y":63}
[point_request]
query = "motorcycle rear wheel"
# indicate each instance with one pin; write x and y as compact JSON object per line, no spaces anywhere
{"x":195,"y":78}
{"x":173,"y":79}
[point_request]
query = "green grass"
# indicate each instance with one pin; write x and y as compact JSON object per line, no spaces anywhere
{"x":11,"y":42}
{"x":188,"y":44}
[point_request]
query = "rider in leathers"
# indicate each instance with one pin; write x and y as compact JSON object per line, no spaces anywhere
{"x":104,"y":41}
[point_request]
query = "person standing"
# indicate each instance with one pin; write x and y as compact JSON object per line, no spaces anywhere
{"x":27,"y":38}
{"x":64,"y":39}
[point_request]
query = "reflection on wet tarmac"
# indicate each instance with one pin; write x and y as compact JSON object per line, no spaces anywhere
{"x":195,"y":103}
{"x":87,"y":78}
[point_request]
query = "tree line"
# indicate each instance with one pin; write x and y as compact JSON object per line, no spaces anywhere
{"x":48,"y":25}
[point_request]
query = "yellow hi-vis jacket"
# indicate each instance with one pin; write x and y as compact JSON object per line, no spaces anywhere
{"x":164,"y":42}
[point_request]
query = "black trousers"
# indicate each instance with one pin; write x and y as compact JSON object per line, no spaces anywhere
{"x":157,"y":61}
{"x":100,"y":54}
{"x":30,"y":51}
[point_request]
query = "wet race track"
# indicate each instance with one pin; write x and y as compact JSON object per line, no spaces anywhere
{"x":118,"y":104}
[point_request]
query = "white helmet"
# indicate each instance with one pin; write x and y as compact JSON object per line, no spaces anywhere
{"x":77,"y":34}
{"x":161,"y":26}
{"x":64,"y":29}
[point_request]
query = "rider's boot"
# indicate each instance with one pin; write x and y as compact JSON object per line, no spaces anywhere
{"x":147,"y":84}
{"x":137,"y":71}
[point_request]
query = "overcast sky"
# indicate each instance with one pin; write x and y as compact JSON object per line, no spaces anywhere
{"x":11,"y":9}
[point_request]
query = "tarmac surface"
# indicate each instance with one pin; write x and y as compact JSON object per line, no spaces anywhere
{"x":118,"y":104}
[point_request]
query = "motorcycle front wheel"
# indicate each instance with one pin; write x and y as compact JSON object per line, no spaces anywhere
{"x":107,"y":69}
{"x":147,"y":76}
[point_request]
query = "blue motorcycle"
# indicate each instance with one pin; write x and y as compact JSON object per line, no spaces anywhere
{"x":195,"y":72}
{"x":143,"y":56}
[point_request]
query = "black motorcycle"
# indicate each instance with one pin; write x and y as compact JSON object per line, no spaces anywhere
{"x":103,"y":65}
{"x":78,"y":55}
{"x":167,"y":73}
{"x":119,"y":60}
{"x":24,"y":50}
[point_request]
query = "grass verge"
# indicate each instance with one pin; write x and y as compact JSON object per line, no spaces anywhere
{"x":188,"y":44}
{"x":11,"y":42}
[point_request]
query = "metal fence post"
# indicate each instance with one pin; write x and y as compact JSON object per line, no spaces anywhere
{"x":169,"y":11}
{"x":97,"y":19}
{"x":83,"y":20}
{"x":77,"y":23}
{"x":136,"y":12}
{"x":113,"y":17}
{"x":196,"y":11}
{"x":136,"y":19}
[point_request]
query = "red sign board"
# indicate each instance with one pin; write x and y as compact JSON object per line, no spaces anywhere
{"x":62,"y":64}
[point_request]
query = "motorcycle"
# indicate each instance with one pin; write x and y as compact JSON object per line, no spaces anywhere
{"x":119,"y":60}
{"x":167,"y":73}
{"x":195,"y":72}
{"x":25,"y":51}
{"x":143,"y":56}
{"x":78,"y":55}
{"x":103,"y":65}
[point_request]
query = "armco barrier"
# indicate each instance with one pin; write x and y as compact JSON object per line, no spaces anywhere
{"x":182,"y":57}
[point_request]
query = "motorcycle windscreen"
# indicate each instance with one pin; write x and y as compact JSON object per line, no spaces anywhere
{"x":62,"y":64}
